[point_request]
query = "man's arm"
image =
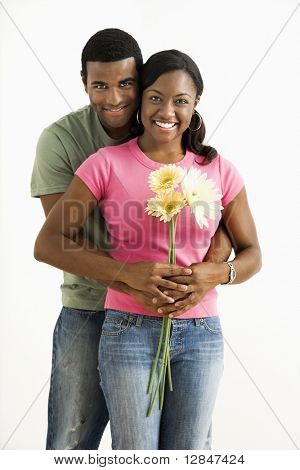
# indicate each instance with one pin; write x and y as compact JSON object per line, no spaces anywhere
{"x":48,"y":201}
{"x":57,"y":245}
{"x":220,"y":246}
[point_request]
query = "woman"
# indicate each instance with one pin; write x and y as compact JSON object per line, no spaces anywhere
{"x":116,"y":178}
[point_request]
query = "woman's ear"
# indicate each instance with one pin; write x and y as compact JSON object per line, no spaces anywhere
{"x":197,"y":100}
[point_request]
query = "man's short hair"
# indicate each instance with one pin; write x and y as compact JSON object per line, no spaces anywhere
{"x":110,"y":45}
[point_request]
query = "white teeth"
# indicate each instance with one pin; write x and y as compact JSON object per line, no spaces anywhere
{"x":115,"y":110}
{"x":165,"y":125}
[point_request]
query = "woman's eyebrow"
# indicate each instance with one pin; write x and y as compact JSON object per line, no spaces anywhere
{"x":156,"y":91}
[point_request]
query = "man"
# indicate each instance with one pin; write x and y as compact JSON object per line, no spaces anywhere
{"x":111,"y":61}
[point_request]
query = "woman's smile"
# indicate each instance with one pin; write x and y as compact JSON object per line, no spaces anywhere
{"x":165,"y":125}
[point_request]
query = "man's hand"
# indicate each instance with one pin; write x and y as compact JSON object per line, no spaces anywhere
{"x":205,"y":277}
{"x":148,"y":276}
{"x":146,"y":300}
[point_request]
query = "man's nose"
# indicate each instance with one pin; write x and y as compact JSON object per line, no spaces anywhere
{"x":114,"y":96}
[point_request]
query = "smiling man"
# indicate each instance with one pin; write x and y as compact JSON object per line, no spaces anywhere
{"x":111,"y":62}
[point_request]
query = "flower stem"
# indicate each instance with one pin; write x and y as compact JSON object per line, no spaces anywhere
{"x":156,"y":357}
{"x":160,"y":376}
{"x":165,"y":362}
{"x":165,"y":368}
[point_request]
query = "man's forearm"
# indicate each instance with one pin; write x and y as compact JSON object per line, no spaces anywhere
{"x":220,"y":247}
{"x":58,"y":251}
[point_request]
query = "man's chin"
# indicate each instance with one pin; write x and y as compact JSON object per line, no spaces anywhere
{"x":114,"y":122}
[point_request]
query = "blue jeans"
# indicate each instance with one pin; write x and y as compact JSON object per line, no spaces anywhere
{"x":126,"y":354}
{"x":77,"y":412}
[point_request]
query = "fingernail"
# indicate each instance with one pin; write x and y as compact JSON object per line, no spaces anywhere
{"x":177,"y":305}
{"x":171,"y":300}
{"x":171,"y":316}
{"x":183,"y":287}
{"x":188,"y":271}
{"x":160,"y":310}
{"x":166,"y":292}
{"x":154,"y":301}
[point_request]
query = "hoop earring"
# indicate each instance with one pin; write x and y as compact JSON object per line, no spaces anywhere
{"x":200,"y":121}
{"x":137,"y":117}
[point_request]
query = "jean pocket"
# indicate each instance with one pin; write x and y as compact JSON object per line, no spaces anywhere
{"x":115,"y":323}
{"x":212,"y":324}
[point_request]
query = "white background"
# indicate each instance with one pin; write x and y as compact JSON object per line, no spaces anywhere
{"x":257,"y":406}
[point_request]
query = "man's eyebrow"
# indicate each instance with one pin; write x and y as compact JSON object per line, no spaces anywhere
{"x":128,"y":79}
{"x":159,"y":92}
{"x":100,"y":82}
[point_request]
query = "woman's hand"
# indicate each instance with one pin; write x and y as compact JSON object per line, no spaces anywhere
{"x":205,"y":277}
{"x":148,"y":276}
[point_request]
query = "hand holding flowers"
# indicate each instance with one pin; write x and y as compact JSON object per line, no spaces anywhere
{"x":206,"y":276}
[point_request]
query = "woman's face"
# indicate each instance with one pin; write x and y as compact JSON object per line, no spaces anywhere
{"x":167,"y":106}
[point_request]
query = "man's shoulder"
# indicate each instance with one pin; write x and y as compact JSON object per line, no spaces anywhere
{"x":114,"y":151}
{"x":73,"y":120}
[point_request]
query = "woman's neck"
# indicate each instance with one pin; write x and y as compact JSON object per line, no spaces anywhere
{"x":171,"y":152}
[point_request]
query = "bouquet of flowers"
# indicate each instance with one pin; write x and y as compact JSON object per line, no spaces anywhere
{"x":202,"y":196}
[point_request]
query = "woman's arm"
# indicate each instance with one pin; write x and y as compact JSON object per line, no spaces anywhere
{"x":57,"y":245}
{"x":241,"y":228}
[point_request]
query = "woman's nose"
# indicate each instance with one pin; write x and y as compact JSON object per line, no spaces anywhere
{"x":167,"y":110}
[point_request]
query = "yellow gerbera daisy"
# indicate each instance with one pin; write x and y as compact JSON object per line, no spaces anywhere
{"x":165,"y":205}
{"x":166,"y":178}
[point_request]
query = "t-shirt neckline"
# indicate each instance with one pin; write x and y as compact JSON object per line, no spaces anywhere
{"x":146,"y":161}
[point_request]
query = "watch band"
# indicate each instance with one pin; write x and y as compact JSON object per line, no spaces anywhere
{"x":232,"y":273}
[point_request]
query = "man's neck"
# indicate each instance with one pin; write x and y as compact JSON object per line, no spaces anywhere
{"x":117,"y":133}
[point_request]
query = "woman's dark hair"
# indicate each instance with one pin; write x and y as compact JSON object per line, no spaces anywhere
{"x":168,"y":61}
{"x":110,"y":45}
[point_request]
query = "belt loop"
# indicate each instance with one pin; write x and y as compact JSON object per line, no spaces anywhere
{"x":139,"y":320}
{"x":198,"y":321}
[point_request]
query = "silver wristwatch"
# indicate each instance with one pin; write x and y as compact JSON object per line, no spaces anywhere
{"x":232,"y":273}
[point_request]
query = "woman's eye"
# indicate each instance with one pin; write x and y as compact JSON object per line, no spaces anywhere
{"x":154,"y":98}
{"x":181,"y":101}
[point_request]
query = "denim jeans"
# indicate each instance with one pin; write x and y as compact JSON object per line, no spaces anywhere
{"x":126,"y":354}
{"x":77,"y":412}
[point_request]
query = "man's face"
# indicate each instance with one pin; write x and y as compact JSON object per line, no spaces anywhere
{"x":113,"y":91}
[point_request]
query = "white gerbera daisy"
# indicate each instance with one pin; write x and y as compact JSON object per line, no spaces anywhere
{"x":202,"y":196}
{"x":166,"y":178}
{"x":165,"y":205}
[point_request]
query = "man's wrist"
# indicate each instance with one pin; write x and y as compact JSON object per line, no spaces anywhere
{"x":125,"y":273}
{"x":223,"y":271}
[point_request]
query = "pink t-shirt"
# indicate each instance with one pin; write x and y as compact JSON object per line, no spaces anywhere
{"x":118,"y":178}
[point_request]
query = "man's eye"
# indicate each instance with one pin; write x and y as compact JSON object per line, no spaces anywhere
{"x":124,"y":84}
{"x":181,"y":101}
{"x":100,"y":87}
{"x":154,"y":98}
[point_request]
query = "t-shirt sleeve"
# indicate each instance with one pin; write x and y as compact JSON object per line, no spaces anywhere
{"x":95,"y":172}
{"x":231,"y":180}
{"x":52,"y":171}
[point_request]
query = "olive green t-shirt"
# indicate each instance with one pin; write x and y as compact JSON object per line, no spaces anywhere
{"x":61,"y":149}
